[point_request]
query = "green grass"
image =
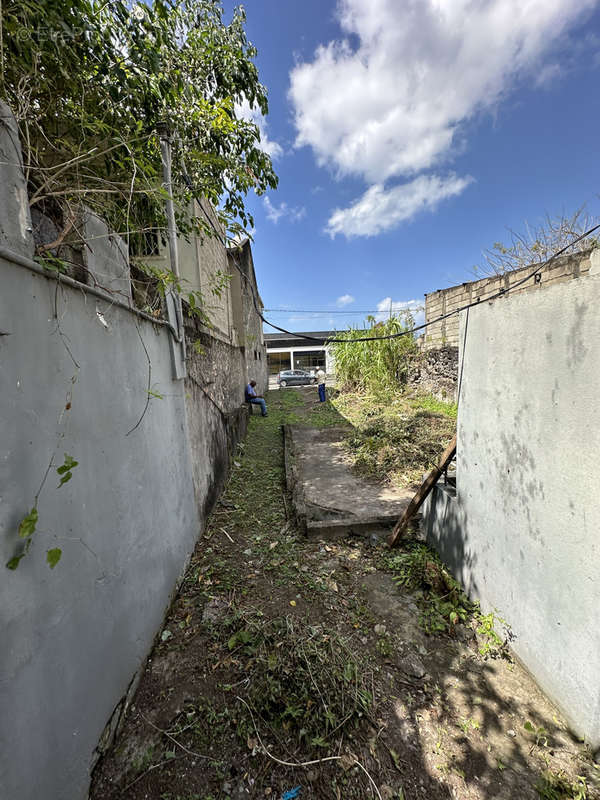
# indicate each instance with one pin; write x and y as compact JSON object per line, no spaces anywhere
{"x":434,"y":406}
{"x":395,"y":437}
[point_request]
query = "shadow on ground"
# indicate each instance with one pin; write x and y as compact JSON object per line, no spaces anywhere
{"x":286,"y":662}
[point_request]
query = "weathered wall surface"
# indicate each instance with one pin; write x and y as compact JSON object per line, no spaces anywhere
{"x":444,"y":301}
{"x":522,"y":532}
{"x":83,"y":375}
{"x":74,"y":636}
{"x":435,"y":372}
{"x":248,"y":324}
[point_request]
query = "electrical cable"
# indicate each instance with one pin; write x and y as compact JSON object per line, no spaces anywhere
{"x":325,"y":312}
{"x":409,"y":331}
{"x":499,"y":293}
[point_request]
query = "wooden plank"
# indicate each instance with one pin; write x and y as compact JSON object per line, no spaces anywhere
{"x":427,"y":485}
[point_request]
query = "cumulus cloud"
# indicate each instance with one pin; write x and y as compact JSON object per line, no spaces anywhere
{"x":392,"y":104}
{"x":243,"y":110}
{"x":415,"y":307}
{"x":275,"y":213}
{"x":388,"y":99}
{"x":344,"y":300}
{"x":381,"y":209}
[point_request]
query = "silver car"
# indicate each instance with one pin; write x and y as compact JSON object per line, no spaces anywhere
{"x":295,"y":377}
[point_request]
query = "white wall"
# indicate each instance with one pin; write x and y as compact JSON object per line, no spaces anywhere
{"x":523,"y":534}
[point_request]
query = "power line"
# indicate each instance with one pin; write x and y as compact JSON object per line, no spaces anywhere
{"x":499,"y":293}
{"x":408,"y":332}
{"x":325,"y":312}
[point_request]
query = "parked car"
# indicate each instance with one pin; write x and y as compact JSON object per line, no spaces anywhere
{"x":295,"y":377}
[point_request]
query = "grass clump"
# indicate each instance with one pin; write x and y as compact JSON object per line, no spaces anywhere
{"x":434,"y":406}
{"x":304,"y":680}
{"x":441,"y":599}
{"x":558,"y":786}
{"x":396,"y":438}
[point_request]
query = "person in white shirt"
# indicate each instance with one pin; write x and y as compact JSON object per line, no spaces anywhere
{"x":321,"y":383}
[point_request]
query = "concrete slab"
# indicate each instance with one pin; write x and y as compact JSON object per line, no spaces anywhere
{"x":329,"y":499}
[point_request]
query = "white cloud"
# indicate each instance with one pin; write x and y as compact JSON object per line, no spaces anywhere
{"x":344,"y":300}
{"x":390,"y":97}
{"x":415,"y":307}
{"x":392,"y":105}
{"x":271,"y":148}
{"x":275,"y":213}
{"x":381,"y":209}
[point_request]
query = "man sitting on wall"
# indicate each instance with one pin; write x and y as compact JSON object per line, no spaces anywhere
{"x":258,"y":399}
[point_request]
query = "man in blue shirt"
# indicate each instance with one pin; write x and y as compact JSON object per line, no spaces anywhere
{"x":258,"y":399}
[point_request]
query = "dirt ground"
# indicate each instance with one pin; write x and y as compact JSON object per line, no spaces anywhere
{"x":294,"y":668}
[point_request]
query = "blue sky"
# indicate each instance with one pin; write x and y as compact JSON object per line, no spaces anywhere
{"x":408,"y":135}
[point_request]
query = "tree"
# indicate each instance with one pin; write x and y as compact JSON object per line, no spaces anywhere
{"x":89,"y":81}
{"x":539,"y":243}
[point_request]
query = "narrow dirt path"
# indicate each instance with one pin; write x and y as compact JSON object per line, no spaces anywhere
{"x":279,"y":651}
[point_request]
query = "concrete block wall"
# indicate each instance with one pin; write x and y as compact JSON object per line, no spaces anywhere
{"x":444,"y":301}
{"x":521,"y":534}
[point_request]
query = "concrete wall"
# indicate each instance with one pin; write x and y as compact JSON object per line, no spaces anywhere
{"x":247,"y":303}
{"x":202,"y":260}
{"x":73,"y":637}
{"x":522,"y":532}
{"x":444,"y":301}
{"x":74,"y":371}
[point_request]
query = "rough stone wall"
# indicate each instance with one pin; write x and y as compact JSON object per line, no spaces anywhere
{"x":435,"y":372}
{"x":444,"y":301}
{"x":522,"y":532}
{"x":75,"y":373}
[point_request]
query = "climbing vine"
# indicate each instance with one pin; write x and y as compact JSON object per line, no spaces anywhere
{"x":89,"y":83}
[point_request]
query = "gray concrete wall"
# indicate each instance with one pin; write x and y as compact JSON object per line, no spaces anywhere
{"x":74,"y":372}
{"x":522,"y":532}
{"x":73,"y":637}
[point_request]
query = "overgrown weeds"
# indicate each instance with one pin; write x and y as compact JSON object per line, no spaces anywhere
{"x":374,"y":364}
{"x":558,"y":786}
{"x":396,"y":437}
{"x":304,"y":681}
{"x":442,"y":601}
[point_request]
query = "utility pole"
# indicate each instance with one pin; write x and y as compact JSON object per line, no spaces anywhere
{"x":173,"y":299}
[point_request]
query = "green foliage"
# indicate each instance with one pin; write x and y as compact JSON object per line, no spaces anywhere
{"x":434,"y":406}
{"x":377,"y":364}
{"x":540,"y":734}
{"x":440,"y":597}
{"x":89,"y":82}
{"x":53,"y":556}
{"x":558,"y":786}
{"x":13,"y":562}
{"x":493,"y":645}
{"x":28,"y":524}
{"x":66,"y":470}
{"x":26,"y":529}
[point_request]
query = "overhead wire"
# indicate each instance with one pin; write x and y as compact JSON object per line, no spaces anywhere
{"x":407,"y":332}
{"x":442,"y":317}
